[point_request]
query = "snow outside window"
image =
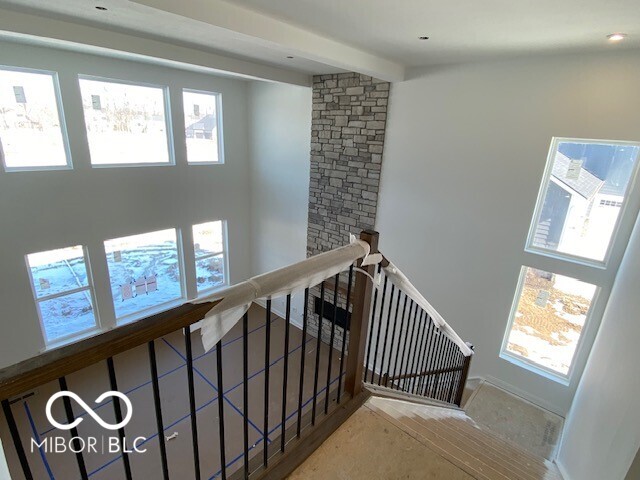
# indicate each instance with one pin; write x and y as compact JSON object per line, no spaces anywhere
{"x":63,"y":292}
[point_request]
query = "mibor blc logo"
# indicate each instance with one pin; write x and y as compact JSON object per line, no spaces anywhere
{"x":104,"y":444}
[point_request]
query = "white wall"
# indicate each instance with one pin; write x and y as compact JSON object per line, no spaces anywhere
{"x":280,"y":139}
{"x":602,"y":432}
{"x":45,"y":210}
{"x":464,"y":155}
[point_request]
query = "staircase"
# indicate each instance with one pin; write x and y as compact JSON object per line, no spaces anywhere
{"x":448,"y":443}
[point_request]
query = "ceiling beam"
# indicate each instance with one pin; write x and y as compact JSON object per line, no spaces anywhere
{"x":248,"y":24}
{"x":35,"y":29}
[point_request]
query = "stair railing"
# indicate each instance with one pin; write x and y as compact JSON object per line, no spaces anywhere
{"x":411,"y":348}
{"x":329,"y":387}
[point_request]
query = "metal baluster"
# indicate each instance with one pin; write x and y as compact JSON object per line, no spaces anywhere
{"x":331,"y":338}
{"x":419,"y":350}
{"x":118,"y":413}
{"x":192,"y":402}
{"x":443,"y":364}
{"x":245,"y":392}
{"x":375,"y":356}
{"x":448,"y":365}
{"x":393,"y":332}
{"x":347,"y":325}
{"x":433,"y":356}
{"x":158,"y":408}
{"x":402,"y":318}
{"x":386,"y":333}
{"x":17,"y":442}
{"x":454,"y":376}
{"x":305,"y":317}
{"x":62,"y":381}
{"x":408,"y":341}
{"x":285,"y":373}
{"x":425,"y":357}
{"x":371,"y":325}
{"x":223,"y":456}
{"x":425,"y":353}
{"x":319,"y":344}
{"x":267,"y":355}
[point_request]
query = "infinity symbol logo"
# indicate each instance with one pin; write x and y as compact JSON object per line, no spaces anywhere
{"x":89,"y":410}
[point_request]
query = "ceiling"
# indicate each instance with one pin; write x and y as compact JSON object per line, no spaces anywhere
{"x":378,"y":37}
{"x":462,"y":30}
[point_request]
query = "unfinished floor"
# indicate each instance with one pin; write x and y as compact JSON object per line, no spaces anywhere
{"x":133,"y":374}
{"x":390,"y":438}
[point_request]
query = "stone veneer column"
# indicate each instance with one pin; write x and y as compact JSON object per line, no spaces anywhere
{"x":347,"y":140}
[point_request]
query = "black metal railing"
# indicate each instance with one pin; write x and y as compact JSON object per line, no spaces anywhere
{"x":392,"y":342}
{"x":406,"y":350}
{"x":329,"y":355}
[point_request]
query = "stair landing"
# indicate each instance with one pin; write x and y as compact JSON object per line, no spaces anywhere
{"x":388,"y":438}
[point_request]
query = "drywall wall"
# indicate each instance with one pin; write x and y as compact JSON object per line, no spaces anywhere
{"x":602,"y":433}
{"x":465,"y":151}
{"x":53,"y":209}
{"x":280,"y":136}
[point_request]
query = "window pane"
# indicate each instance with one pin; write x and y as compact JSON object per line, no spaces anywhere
{"x":585,"y":192}
{"x":207,"y":238}
{"x":551,"y":313}
{"x":144,"y":271}
{"x":201,"y":126}
{"x":30,"y":131}
{"x":58,"y":271}
{"x":125,"y":123}
{"x":67,"y":315}
{"x":210,"y":272}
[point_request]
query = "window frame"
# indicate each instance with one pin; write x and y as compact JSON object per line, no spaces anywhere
{"x":219,"y":126}
{"x":530,"y":365}
{"x":61,"y":118}
{"x":225,"y":259}
{"x":72,"y":337}
{"x":167,"y":120}
{"x":542,"y":194}
{"x":601,"y":274}
{"x":161,"y":307}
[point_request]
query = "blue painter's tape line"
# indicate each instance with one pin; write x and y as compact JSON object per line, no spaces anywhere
{"x":37,"y":439}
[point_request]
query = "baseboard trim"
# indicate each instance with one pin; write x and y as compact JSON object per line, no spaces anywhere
{"x":537,"y":401}
{"x":562,"y":471}
{"x":263,"y":303}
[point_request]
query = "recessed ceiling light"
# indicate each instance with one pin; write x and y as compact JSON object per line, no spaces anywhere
{"x":423,"y":38}
{"x":616,"y":37}
{"x":101,"y":8}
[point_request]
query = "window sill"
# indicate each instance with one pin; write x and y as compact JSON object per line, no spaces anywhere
{"x":55,"y":344}
{"x":522,"y":363}
{"x":134,"y":317}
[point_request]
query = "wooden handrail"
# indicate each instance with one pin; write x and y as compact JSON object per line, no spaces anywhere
{"x":423,"y":374}
{"x":51,"y":365}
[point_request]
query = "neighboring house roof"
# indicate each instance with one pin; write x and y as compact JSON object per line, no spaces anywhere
{"x":206,"y":123}
{"x":586,"y":185}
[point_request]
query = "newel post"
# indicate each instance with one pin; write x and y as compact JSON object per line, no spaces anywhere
{"x":359,"y":324}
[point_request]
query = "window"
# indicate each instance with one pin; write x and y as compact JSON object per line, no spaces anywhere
{"x":202,"y":126}
{"x":126,"y":124}
{"x":583,"y":199}
{"x":145,"y":272}
{"x":63,"y":292}
{"x":584,"y":179}
{"x":209,"y":245}
{"x":32,"y":133}
{"x":549,"y":318}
